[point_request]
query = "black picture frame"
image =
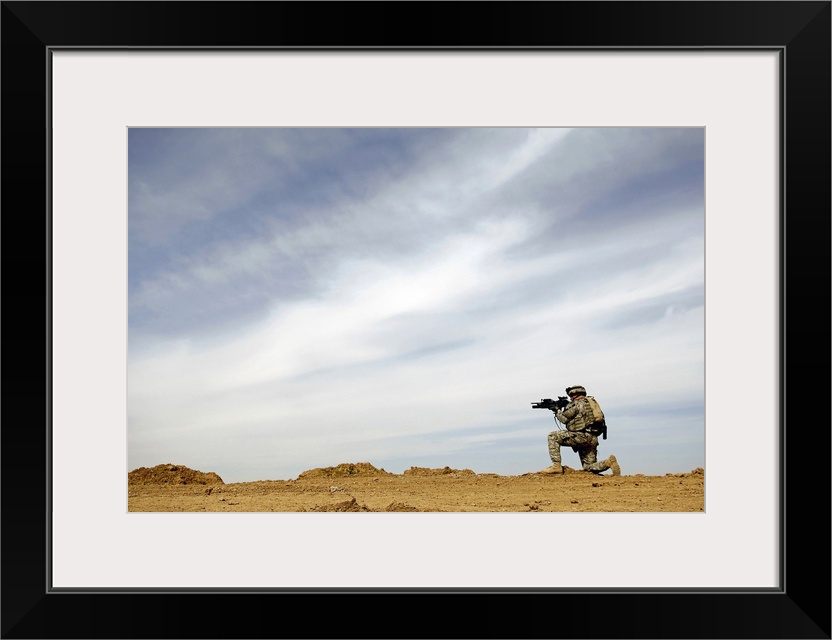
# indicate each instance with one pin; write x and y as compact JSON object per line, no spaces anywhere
{"x":800,"y":608}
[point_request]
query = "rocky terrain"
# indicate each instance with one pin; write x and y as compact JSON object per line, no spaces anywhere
{"x":362,"y":487}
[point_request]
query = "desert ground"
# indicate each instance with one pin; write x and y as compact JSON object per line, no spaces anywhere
{"x":363,"y":487}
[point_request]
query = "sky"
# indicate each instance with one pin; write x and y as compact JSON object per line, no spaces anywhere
{"x":306,"y":297}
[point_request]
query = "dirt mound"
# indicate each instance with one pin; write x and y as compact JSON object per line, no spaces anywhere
{"x":397,"y":506}
{"x":171,"y":474}
{"x":445,"y":471}
{"x":699,"y":471}
{"x":345,"y":470}
{"x":342,"y":507}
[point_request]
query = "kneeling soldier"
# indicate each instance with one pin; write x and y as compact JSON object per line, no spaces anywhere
{"x":581,"y":433}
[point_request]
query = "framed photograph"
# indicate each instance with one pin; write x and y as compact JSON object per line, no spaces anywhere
{"x":100,"y":99}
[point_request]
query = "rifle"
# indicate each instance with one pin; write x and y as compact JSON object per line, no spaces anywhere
{"x":548,"y":403}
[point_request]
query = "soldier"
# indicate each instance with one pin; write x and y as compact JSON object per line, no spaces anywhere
{"x":581,"y":434}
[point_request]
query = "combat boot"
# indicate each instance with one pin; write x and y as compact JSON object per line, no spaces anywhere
{"x":612,"y":463}
{"x":555,"y":468}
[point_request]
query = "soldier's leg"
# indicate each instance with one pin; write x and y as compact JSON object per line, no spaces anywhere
{"x":589,"y":460}
{"x":554,"y":447}
{"x":556,"y":438}
{"x":588,"y":453}
{"x":564,"y":438}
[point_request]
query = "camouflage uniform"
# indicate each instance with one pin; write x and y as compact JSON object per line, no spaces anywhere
{"x":574,"y":416}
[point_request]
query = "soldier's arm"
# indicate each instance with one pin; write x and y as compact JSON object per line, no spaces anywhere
{"x":569,"y":412}
{"x":566,"y":414}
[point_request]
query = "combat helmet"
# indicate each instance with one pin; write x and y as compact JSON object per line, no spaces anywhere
{"x":576,"y":388}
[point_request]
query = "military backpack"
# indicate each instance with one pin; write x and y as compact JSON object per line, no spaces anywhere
{"x":596,"y":424}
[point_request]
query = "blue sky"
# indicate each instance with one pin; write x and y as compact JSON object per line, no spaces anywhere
{"x":300,"y":298}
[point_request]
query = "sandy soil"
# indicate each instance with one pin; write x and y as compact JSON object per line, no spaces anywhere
{"x":363,"y":487}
